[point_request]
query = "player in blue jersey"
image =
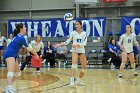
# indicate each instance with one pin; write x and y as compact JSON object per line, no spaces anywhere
{"x":11,"y":54}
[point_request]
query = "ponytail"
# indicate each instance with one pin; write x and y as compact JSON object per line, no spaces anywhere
{"x":17,"y":30}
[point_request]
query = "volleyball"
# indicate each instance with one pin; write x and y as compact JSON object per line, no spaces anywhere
{"x":68,"y":17}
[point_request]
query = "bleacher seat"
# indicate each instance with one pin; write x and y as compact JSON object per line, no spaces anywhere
{"x":92,"y":57}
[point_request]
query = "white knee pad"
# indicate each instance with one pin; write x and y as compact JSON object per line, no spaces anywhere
{"x":84,"y":70}
{"x":20,"y":56}
{"x":74,"y":66}
{"x":10,"y":74}
{"x":123,"y":64}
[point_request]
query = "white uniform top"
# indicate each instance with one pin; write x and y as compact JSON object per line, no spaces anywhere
{"x":8,"y":41}
{"x":2,"y":38}
{"x":77,"y":38}
{"x":128,"y":41}
{"x":36,"y":46}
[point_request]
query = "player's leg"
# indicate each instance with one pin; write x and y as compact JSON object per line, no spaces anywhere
{"x":28,"y":58}
{"x":10,"y":66}
{"x":83,"y":61}
{"x":38,"y":68}
{"x":74,"y":68}
{"x":17,"y":71}
{"x":131,"y":58}
{"x":124,"y":60}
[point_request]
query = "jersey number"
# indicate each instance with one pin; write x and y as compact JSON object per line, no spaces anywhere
{"x":129,"y":40}
{"x":79,"y":40}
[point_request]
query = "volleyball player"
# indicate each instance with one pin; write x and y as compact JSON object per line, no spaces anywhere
{"x":38,"y":47}
{"x":79,"y":41}
{"x":126,"y":44}
{"x":11,"y":54}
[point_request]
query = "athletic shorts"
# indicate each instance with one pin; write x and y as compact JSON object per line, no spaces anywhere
{"x":8,"y":54}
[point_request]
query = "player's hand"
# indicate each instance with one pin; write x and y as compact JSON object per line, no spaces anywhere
{"x":56,"y":45}
{"x":62,"y":43}
{"x":40,"y":55}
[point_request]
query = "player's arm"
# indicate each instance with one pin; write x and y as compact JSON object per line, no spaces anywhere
{"x":32,"y":43}
{"x":67,"y":41}
{"x":29,"y":47}
{"x":120,"y":43}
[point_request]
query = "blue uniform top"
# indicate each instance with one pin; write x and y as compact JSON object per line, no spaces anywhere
{"x":15,"y":45}
{"x":114,"y":48}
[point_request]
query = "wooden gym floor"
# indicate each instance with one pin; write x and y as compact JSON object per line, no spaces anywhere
{"x":56,"y":80}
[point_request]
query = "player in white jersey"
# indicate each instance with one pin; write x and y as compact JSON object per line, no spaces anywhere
{"x":2,"y":40}
{"x":126,"y":43}
{"x":8,"y":41}
{"x":37,"y":45}
{"x":79,"y":41}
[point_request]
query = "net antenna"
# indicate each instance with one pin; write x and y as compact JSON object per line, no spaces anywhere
{"x":86,"y":1}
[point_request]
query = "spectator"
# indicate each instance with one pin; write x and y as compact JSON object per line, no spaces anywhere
{"x":49,"y":54}
{"x":61,"y":52}
{"x":112,"y":53}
